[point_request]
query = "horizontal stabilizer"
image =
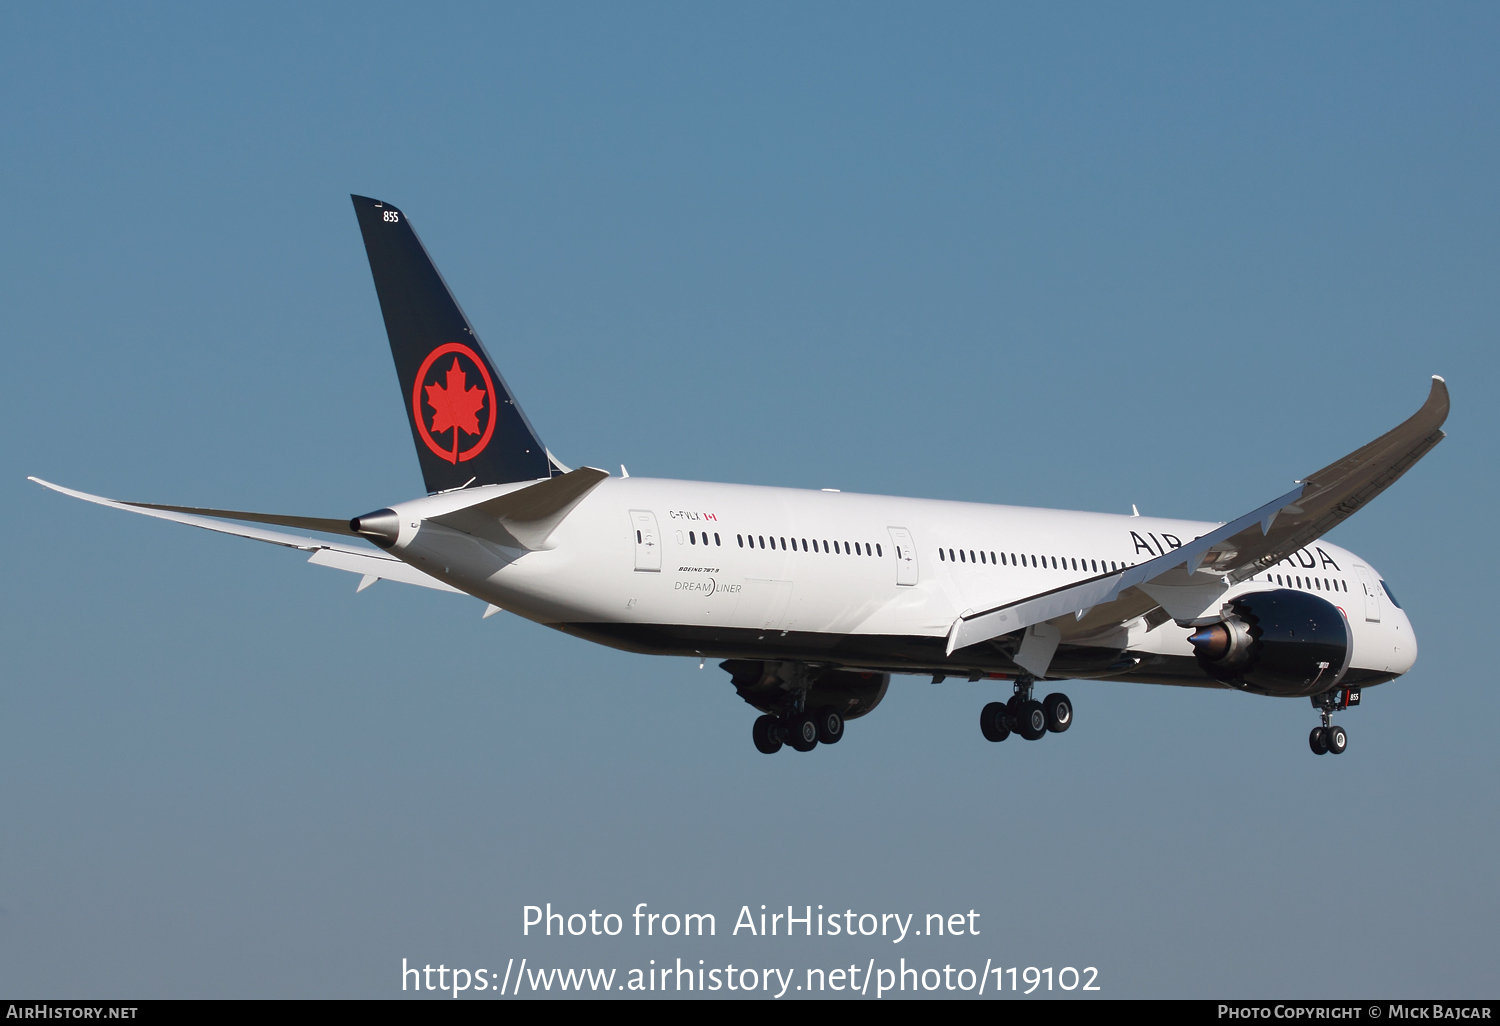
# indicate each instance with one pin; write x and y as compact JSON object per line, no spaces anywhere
{"x":526,"y":517}
{"x":377,"y":564}
{"x":368,"y":562}
{"x":201,"y":518}
{"x":303,"y":523}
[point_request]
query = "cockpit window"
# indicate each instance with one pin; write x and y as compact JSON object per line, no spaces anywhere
{"x":1390,"y":594}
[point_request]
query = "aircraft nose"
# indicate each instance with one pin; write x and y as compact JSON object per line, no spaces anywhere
{"x":383,"y":527}
{"x":1405,"y":655}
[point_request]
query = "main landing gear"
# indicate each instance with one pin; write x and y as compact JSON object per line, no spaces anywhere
{"x":1330,"y":737}
{"x":1023,"y":715}
{"x":803,"y":731}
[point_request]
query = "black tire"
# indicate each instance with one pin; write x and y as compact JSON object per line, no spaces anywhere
{"x":1013,"y":713}
{"x":802,"y":732}
{"x":1033,"y":725}
{"x":767,"y":735}
{"x":1337,"y":739}
{"x":830,"y":725}
{"x":1317,"y":741}
{"x":992,"y":722}
{"x":1059,"y":712}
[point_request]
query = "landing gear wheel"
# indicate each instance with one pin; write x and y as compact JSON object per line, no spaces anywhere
{"x":992,"y":722}
{"x":1318,"y":741}
{"x":1059,"y":712}
{"x":767,"y":735}
{"x":1033,"y":721}
{"x":1013,"y":712}
{"x":802,"y":732}
{"x":1337,"y":740}
{"x":830,"y":725}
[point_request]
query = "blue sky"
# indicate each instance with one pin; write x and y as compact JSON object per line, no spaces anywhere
{"x":1074,"y":256}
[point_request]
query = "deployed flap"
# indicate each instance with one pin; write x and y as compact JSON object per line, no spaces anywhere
{"x":1038,"y":646}
{"x":525,"y":518}
{"x":1240,"y":549}
{"x":1187,"y":598}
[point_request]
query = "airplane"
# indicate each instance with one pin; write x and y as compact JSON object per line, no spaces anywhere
{"x":814,"y":599}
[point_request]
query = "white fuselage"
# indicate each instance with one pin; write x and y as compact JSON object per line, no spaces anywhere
{"x":732,"y":570}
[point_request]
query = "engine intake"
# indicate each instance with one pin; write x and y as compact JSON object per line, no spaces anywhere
{"x":1280,"y":642}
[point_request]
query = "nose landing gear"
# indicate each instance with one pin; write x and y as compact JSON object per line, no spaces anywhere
{"x":1025,"y":716}
{"x":1330,"y":737}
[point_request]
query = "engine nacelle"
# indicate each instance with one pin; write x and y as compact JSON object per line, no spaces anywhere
{"x":1280,"y":642}
{"x":768,"y":686}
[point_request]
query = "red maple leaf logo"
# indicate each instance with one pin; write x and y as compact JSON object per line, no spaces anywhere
{"x":455,"y":405}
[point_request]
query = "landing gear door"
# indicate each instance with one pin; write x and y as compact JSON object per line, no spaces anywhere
{"x":906,"y":556}
{"x":647,"y":541}
{"x":1372,"y":593}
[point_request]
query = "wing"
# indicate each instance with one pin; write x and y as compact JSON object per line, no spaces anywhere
{"x":371,"y":563}
{"x":1185,"y":581}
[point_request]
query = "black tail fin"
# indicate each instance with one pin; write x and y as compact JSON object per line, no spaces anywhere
{"x":464,"y":420}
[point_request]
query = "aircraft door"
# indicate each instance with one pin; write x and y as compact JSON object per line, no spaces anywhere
{"x":906,"y":555}
{"x":647,"y":541}
{"x":1372,"y":593}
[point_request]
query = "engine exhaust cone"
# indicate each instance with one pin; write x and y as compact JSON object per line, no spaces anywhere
{"x":1212,"y":642}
